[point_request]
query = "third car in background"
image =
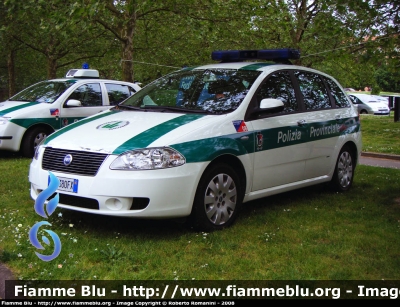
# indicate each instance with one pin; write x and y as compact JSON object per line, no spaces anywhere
{"x":370,"y":104}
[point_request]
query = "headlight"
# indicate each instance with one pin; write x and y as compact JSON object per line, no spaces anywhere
{"x":37,"y":149}
{"x":4,"y":120}
{"x":148,"y":158}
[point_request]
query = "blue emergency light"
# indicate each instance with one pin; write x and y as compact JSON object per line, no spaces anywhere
{"x":276,"y":55}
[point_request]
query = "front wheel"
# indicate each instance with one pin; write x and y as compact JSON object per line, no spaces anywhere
{"x":218,"y":199}
{"x":344,"y":171}
{"x":32,"y":139}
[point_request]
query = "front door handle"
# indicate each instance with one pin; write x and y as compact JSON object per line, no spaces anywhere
{"x":301,"y":122}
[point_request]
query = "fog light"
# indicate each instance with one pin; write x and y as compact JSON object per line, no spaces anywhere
{"x":114,"y":204}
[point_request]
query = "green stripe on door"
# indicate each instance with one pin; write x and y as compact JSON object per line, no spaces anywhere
{"x":238,"y":144}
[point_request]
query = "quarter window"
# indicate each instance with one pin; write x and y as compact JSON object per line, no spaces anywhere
{"x":315,"y":95}
{"x":340,"y":98}
{"x":355,"y":100}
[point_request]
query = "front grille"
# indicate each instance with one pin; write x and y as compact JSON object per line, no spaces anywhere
{"x":83,"y":162}
{"x":78,"y":201}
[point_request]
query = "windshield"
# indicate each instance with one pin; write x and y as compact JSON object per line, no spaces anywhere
{"x":210,"y":91}
{"x":46,"y":91}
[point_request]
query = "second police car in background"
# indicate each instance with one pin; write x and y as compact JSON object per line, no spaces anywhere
{"x":32,"y":114}
{"x":202,"y":141}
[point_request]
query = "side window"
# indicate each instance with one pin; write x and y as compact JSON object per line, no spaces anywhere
{"x":118,"y":92}
{"x":355,"y":100}
{"x":341,"y":100}
{"x":279,"y":86}
{"x":88,"y":94}
{"x":313,"y":89}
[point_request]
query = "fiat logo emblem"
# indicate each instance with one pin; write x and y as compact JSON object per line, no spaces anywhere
{"x":67,"y":160}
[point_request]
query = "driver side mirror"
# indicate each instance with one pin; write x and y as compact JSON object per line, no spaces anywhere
{"x":72,"y":103}
{"x":271,"y":105}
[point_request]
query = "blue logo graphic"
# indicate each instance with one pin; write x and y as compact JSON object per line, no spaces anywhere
{"x":35,"y":242}
{"x":67,"y":160}
{"x":50,"y":208}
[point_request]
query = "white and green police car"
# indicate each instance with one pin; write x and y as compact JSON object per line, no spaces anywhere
{"x":37,"y":111}
{"x":202,"y":141}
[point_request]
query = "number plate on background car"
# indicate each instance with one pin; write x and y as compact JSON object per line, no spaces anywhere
{"x":67,"y":184}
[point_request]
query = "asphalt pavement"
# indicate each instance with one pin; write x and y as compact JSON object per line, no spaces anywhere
{"x":380,"y":160}
{"x":371,"y":159}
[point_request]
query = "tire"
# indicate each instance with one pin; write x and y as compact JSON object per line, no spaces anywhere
{"x":32,"y":138}
{"x":342,"y":179}
{"x":363,"y":112}
{"x":218,"y":199}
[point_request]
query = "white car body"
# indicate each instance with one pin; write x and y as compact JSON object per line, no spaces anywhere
{"x":18,"y":119}
{"x":370,"y":104}
{"x":271,"y":154}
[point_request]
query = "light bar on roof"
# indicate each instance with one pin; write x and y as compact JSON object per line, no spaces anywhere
{"x":277,"y":55}
{"x":82,"y":73}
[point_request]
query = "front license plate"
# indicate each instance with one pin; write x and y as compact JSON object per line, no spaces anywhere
{"x":67,"y":184}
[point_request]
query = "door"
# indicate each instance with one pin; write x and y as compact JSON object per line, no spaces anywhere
{"x":280,"y":151}
{"x":91,"y":98}
{"x":322,"y":123}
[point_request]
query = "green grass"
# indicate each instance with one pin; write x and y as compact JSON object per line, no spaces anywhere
{"x":380,"y":134}
{"x":308,"y":234}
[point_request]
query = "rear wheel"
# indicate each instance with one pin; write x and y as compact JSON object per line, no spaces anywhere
{"x":363,"y":112}
{"x":218,"y":199}
{"x":344,"y":171}
{"x":32,"y":139}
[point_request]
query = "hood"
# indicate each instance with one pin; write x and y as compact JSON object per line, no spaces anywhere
{"x":114,"y":132}
{"x":7,"y":107}
{"x":377,"y":105}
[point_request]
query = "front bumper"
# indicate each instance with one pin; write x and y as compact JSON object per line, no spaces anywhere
{"x":11,"y":136}
{"x":163,"y":193}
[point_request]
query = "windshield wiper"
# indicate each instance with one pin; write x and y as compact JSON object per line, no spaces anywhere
{"x":180,"y":110}
{"x":121,"y":106}
{"x":22,"y":100}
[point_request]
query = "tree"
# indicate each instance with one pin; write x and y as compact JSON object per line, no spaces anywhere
{"x":128,"y":39}
{"x":152,"y":25}
{"x":59,"y":37}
